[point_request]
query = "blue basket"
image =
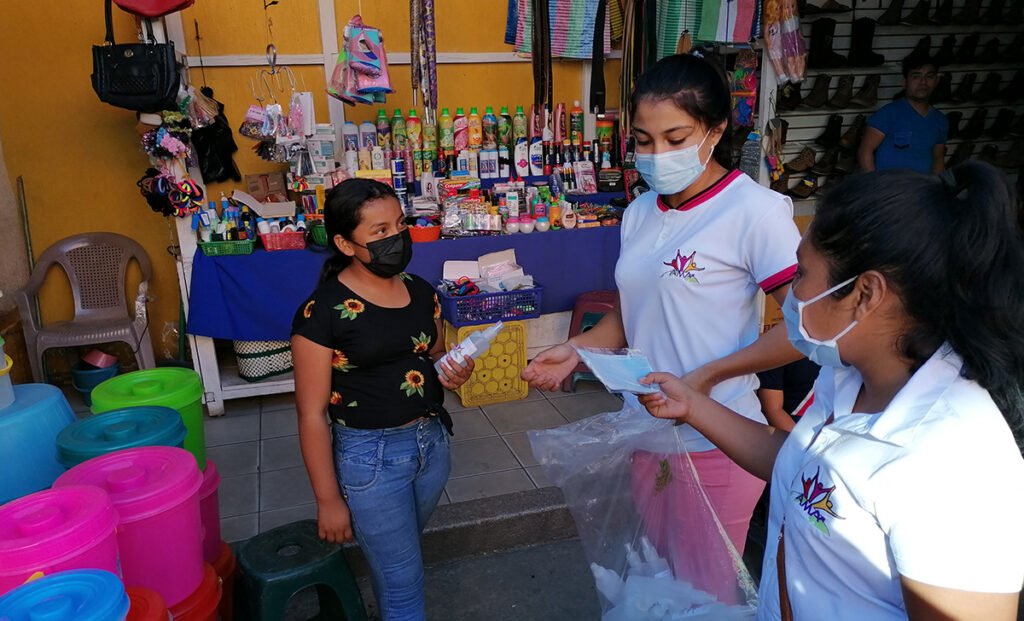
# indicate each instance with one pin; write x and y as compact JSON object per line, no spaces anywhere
{"x":474,"y":310}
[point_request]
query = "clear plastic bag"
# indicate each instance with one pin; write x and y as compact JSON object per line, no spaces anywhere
{"x":657,"y":550}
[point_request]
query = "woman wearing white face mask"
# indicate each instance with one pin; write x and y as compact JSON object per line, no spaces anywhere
{"x":897,"y":494}
{"x":695,"y":252}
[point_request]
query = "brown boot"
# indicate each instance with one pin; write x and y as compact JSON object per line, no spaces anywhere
{"x":851,"y":139}
{"x":781,"y":185}
{"x":819,"y":92}
{"x":804,"y":189}
{"x":847,"y":163}
{"x":867,"y":96}
{"x":802,"y":162}
{"x":823,"y":167}
{"x":841,"y":98}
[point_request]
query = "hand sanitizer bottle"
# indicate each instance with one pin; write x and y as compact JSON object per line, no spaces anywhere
{"x":474,"y":346}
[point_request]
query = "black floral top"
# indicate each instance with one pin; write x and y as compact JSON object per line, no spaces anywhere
{"x":382,"y":373}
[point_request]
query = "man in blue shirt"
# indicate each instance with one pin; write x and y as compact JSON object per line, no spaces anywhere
{"x":909,"y":132}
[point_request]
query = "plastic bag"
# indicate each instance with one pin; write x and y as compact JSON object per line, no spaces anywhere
{"x":656,"y":547}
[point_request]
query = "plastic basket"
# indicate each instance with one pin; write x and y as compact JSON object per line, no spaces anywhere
{"x":225,"y":248}
{"x":473,"y":310}
{"x":284,"y":241}
{"x":260,"y":360}
{"x":495,"y":378}
{"x":318,"y":233}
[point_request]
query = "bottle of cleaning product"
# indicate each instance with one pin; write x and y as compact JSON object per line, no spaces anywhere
{"x":476,"y":129}
{"x":490,"y":129}
{"x":474,"y":346}
{"x":350,"y":136}
{"x":576,"y":124}
{"x":446,"y":131}
{"x":383,"y":130}
{"x":429,"y":142}
{"x":460,"y":129}
{"x":414,"y":131}
{"x":505,"y":129}
{"x":560,"y":128}
{"x":368,"y":134}
{"x":399,"y":137}
{"x":519,"y":125}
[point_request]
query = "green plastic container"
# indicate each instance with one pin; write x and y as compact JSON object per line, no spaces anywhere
{"x":179,"y":389}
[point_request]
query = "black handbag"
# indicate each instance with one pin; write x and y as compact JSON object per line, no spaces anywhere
{"x":137,"y":76}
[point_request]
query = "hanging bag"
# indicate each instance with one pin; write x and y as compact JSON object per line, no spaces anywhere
{"x":153,"y":8}
{"x":136,"y":76}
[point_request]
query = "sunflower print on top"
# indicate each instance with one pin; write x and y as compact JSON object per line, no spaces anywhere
{"x":350,"y":308}
{"x":339,"y":362}
{"x":421,"y":343}
{"x":413,"y":384}
{"x":307,"y":312}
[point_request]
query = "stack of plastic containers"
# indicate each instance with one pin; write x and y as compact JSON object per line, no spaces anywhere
{"x":28,"y":429}
{"x":82,"y":595}
{"x":71,"y":527}
{"x":155,"y":491}
{"x":146,"y":605}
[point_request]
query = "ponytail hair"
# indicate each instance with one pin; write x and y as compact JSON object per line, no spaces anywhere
{"x":951,"y":247}
{"x":343,"y":212}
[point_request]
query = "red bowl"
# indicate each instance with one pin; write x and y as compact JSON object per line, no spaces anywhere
{"x":425,"y":233}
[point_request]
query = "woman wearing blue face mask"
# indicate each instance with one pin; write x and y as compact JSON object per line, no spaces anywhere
{"x":696,"y":250}
{"x":364,"y":345}
{"x":892,"y":497}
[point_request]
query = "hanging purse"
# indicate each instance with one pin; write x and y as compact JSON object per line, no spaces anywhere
{"x":153,"y":8}
{"x":136,"y":76}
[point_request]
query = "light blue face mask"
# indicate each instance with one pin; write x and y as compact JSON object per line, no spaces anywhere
{"x":672,"y":172}
{"x":823,"y":353}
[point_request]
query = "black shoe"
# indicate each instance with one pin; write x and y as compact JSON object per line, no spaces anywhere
{"x":818,"y":96}
{"x":953,"y":118}
{"x":969,"y":15}
{"x":850,"y":139}
{"x":943,"y":13}
{"x":964,"y":91}
{"x":821,"y":54}
{"x":789,"y":97}
{"x":994,"y":13}
{"x":944,"y":90}
{"x":989,"y":88}
{"x":919,"y":15}
{"x":947,"y":51}
{"x":862,"y":38}
{"x":893,"y":14}
{"x":1000,"y":128}
{"x":989,"y":52}
{"x":827,"y":162}
{"x":832,"y":134}
{"x":867,"y":96}
{"x":965,"y":55}
{"x":961,"y":155}
{"x":976,"y":125}
{"x":1015,"y":89}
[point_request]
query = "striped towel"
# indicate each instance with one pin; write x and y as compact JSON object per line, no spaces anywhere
{"x":572,"y":28}
{"x":615,"y":18}
{"x":510,"y":23}
{"x":674,"y":17}
{"x":727,"y":21}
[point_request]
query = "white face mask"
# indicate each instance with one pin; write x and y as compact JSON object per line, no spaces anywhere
{"x":673,"y":171}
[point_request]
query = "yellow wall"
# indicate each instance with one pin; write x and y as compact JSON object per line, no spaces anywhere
{"x":80,"y":158}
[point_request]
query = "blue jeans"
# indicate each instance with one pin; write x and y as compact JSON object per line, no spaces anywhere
{"x":392,"y":480}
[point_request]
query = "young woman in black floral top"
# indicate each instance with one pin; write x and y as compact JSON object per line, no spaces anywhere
{"x":364,"y":345}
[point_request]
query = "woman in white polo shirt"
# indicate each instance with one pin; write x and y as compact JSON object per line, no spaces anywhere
{"x":899,"y":493}
{"x":695,"y":252}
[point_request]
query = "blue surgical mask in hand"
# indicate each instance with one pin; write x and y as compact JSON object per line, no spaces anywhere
{"x":620,"y":370}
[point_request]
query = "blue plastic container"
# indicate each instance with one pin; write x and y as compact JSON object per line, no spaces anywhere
{"x":79,"y":595}
{"x":28,"y":435}
{"x":111,"y":431}
{"x":84,"y":380}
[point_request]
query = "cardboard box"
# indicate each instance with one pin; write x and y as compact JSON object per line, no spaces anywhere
{"x":260,"y":186}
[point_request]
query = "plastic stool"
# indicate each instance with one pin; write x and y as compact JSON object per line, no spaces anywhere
{"x":588,"y":310}
{"x":281,"y":562}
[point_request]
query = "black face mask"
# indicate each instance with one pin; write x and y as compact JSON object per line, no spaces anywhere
{"x":389,"y":256}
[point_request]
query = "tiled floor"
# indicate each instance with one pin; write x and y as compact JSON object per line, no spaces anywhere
{"x":255,"y":446}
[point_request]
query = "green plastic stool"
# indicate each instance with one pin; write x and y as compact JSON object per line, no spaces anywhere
{"x":281,"y":562}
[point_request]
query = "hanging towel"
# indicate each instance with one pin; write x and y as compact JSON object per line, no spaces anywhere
{"x":510,"y":22}
{"x":572,"y":28}
{"x":615,"y":19}
{"x":726,"y":21}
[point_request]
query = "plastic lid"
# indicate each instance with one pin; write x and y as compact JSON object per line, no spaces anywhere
{"x":412,"y":113}
{"x":146,"y":605}
{"x":504,"y":109}
{"x":519,"y":109}
{"x":80,"y":595}
{"x":382,"y":113}
{"x":473,"y":110}
{"x":444,"y":112}
{"x":459,"y":111}
{"x":115,"y":430}
{"x":173,"y":387}
{"x":141,"y":481}
{"x":33,"y":399}
{"x":53,"y":524}
{"x":211,"y":479}
{"x":203,"y":602}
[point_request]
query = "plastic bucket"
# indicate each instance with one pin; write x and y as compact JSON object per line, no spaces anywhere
{"x":202,"y":604}
{"x":6,"y":388}
{"x":28,"y":431}
{"x":155,"y":490}
{"x":146,"y":605}
{"x":226,"y":567}
{"x":209,"y":509}
{"x":180,"y":389}
{"x":85,"y":380}
{"x":83,"y":595}
{"x":56,"y":530}
{"x":117,"y":430}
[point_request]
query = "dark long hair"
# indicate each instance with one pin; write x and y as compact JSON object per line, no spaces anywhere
{"x":695,"y":86}
{"x":343,"y":212}
{"x":952,"y":248}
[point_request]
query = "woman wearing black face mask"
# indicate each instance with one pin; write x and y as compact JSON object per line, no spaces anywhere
{"x":364,"y":345}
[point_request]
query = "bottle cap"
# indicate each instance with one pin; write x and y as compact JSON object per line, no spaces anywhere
{"x":473,"y":110}
{"x":490,"y":110}
{"x":444,"y":112}
{"x":519,"y":109}
{"x":504,"y":109}
{"x":412,"y":113}
{"x":459,"y":111}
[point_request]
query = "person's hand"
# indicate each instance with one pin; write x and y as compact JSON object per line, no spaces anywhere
{"x":453,"y":374}
{"x":701,"y":379}
{"x":673,"y":401}
{"x":547,"y":370}
{"x":334,"y":521}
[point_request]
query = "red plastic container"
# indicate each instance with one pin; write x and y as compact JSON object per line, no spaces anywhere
{"x":283,"y":241}
{"x":146,"y":605}
{"x":227,"y":568}
{"x":202,"y":604}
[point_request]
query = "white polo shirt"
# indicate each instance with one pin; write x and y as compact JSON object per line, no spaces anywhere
{"x":932,"y":489}
{"x":688,"y":280}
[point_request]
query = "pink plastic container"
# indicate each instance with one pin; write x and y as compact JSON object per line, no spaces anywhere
{"x":209,"y":508}
{"x":155,"y":490}
{"x":56,"y":530}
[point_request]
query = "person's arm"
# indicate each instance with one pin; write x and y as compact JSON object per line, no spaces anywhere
{"x":547,"y":370}
{"x":939,"y":158}
{"x":925,"y":602}
{"x":312,"y":393}
{"x":750,"y":444}
{"x":771,"y":350}
{"x":869,"y":143}
{"x":771,"y":405}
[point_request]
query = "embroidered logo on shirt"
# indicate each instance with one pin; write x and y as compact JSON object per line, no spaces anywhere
{"x":684,"y":267}
{"x":816,"y":502}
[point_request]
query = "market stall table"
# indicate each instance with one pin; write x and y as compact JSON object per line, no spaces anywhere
{"x":254,"y":297}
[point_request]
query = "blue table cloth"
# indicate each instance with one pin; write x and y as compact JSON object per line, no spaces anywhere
{"x":254,"y":297}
